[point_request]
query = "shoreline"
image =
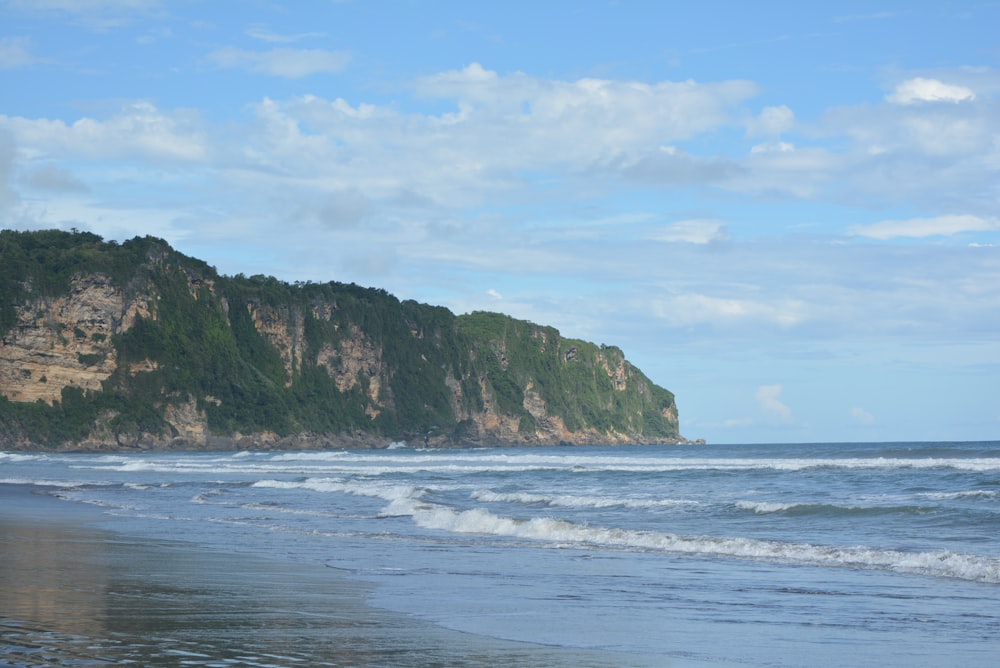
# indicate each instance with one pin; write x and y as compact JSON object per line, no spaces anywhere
{"x":322,"y":442}
{"x":76,"y":592}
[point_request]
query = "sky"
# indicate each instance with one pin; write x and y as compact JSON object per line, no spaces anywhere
{"x":787,"y":213}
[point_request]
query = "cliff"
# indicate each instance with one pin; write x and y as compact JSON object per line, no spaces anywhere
{"x":134,"y":345}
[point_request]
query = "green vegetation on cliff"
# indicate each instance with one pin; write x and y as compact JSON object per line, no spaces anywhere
{"x":135,"y":344}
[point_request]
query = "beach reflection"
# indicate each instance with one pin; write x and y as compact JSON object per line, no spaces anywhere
{"x":74,"y":596}
{"x":53,"y":576}
{"x":67,"y":594}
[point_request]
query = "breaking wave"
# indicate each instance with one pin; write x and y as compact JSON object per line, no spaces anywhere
{"x":407,"y":500}
{"x":573,"y":501}
{"x":562,"y":533}
{"x":801,"y":509}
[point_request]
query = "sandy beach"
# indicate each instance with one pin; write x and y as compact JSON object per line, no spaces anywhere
{"x":73,"y":593}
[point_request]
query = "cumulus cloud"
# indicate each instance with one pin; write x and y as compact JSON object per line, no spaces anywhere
{"x":768,"y":396}
{"x":784,"y":170}
{"x":367,"y":178}
{"x":617,"y":116}
{"x":925,"y":227}
{"x":772,"y":121}
{"x":919,"y":89}
{"x":288,"y":63}
{"x":139,"y":130}
{"x":936,"y":131}
{"x":502,"y":132}
{"x":936,"y":158}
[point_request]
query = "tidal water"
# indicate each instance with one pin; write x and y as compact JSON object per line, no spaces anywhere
{"x":759,"y":555}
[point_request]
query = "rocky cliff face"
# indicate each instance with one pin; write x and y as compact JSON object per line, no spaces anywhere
{"x":65,"y":341}
{"x":159,"y":351}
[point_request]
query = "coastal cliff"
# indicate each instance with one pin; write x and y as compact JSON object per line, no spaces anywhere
{"x":107,"y":346}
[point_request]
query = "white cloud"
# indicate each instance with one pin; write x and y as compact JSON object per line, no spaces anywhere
{"x":861,"y":416}
{"x":918,"y":133}
{"x":685,"y":310}
{"x":919,"y":89}
{"x":937,"y":136}
{"x":693,"y":232}
{"x":772,"y":121}
{"x":8,"y":156}
{"x":672,"y":167}
{"x":97,"y":15}
{"x":929,"y":158}
{"x":356,"y":180}
{"x":932,"y":157}
{"x":503,"y":132}
{"x":783,"y":170}
{"x":774,"y":147}
{"x":619,"y":118}
{"x":768,"y":398}
{"x":15,"y":53}
{"x":335,"y":208}
{"x":54,"y":178}
{"x":140,"y":130}
{"x":117,"y":221}
{"x":261,"y":32}
{"x":925,"y":227}
{"x":288,"y":63}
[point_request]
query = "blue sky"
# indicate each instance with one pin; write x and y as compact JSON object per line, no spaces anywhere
{"x":787,"y":213}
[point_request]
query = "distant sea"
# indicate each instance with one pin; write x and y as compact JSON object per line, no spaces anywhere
{"x":837,"y":554}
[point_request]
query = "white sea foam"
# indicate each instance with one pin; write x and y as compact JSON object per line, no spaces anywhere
{"x":559,"y":532}
{"x":17,"y":457}
{"x":498,"y":461}
{"x":41,"y":482}
{"x":310,"y":455}
{"x":284,"y":510}
{"x":110,"y":459}
{"x":440,"y":492}
{"x":140,"y":487}
{"x":765,"y":507}
{"x":574,"y":501}
{"x":970,"y":494}
{"x":769,"y":507}
{"x":400,"y":497}
{"x":593,"y":464}
{"x":409,"y":461}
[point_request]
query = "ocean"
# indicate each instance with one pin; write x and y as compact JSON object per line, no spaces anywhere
{"x":837,"y":554}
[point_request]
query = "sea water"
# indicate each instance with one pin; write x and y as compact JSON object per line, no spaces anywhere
{"x":776,"y":555}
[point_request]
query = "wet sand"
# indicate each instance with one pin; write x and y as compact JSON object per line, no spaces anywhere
{"x":73,"y":594}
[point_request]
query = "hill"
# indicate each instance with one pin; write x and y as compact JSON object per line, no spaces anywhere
{"x":107,"y":346}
